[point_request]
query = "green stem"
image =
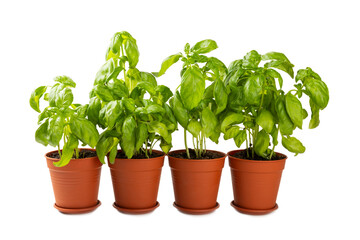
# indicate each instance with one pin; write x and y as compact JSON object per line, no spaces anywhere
{"x":59,"y":151}
{"x":272,"y":151}
{"x":186,"y":146}
{"x":77,"y":153}
{"x":247,"y":146}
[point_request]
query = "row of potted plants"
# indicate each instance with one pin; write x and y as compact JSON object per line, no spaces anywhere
{"x":244,"y":102}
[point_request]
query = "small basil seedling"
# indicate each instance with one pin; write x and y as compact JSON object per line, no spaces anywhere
{"x":62,"y":120}
{"x":195,"y":106}
{"x":264,"y":109}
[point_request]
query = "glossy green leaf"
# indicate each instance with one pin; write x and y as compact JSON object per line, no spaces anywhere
{"x":266,"y":120}
{"x":194,"y":127}
{"x":55,"y":129}
{"x":293,"y":145}
{"x":141,"y":136}
{"x":66,"y":81}
{"x":240,"y":138}
{"x":192,"y":87}
{"x":274,"y":74}
{"x":294,"y":109}
{"x":105,"y":72}
{"x":160,"y":128}
{"x":315,"y":118}
{"x":154,"y":108}
{"x":128,"y":136}
{"x":104,"y":145}
{"x":284,"y":66}
{"x":168,"y":62}
{"x":84,"y":130}
{"x":318,"y":92}
{"x":252,"y":90}
{"x":112,"y":112}
{"x":103,"y":93}
{"x":180,"y":112}
{"x":220,"y":95}
{"x":274,"y":134}
{"x":204,"y":46}
{"x":231,"y":132}
{"x":165,"y":146}
{"x":113,"y":152}
{"x":251,"y":60}
{"x":67,"y":151}
{"x":118,"y":88}
{"x":148,"y":77}
{"x":230,"y":119}
{"x":285,"y":123}
{"x":132,"y":52}
{"x":218,"y":67}
{"x":208,"y":122}
{"x":35,"y":97}
{"x":42,"y":133}
{"x":261,"y":144}
{"x":94,"y":109}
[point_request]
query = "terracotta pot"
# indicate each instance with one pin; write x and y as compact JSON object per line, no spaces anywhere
{"x":75,"y":185}
{"x":136,"y":183}
{"x":196,"y":183}
{"x":255,"y":183}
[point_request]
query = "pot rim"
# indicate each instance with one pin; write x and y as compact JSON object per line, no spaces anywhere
{"x":196,"y":160}
{"x":73,"y":159}
{"x":255,"y":161}
{"x":154,"y":150}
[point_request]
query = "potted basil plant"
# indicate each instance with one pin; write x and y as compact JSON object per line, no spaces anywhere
{"x":264,"y":111}
{"x":75,"y":172}
{"x":133,"y":124}
{"x":196,"y":172}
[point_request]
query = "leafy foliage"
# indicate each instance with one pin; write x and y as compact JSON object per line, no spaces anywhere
{"x":62,"y":119}
{"x":196,"y":107}
{"x":263,"y":109}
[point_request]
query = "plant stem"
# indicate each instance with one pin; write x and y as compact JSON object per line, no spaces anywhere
{"x":272,"y":151}
{"x":247,"y":146}
{"x":77,"y":153}
{"x":186,"y":146}
{"x":59,"y":151}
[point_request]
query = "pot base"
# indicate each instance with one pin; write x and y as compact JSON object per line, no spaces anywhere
{"x":136,"y":210}
{"x":254,"y":211}
{"x":196,"y":211}
{"x":77,"y":210}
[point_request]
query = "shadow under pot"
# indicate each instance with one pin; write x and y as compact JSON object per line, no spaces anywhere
{"x":76,"y":185}
{"x":255,"y":183}
{"x":196,"y":182}
{"x":136,"y":183}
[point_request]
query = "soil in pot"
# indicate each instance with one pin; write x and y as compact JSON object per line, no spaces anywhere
{"x":207,"y":155}
{"x":255,"y":182}
{"x":76,"y":185}
{"x":244,"y":155}
{"x":196,"y":181}
{"x":136,"y":182}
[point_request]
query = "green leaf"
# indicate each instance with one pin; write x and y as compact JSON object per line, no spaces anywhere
{"x":55,"y":129}
{"x":235,"y":65}
{"x":46,"y":113}
{"x":104,"y":145}
{"x":204,"y":46}
{"x":253,"y":89}
{"x":160,"y":128}
{"x":148,"y":77}
{"x":293,"y":145}
{"x":112,"y":110}
{"x":132,"y":52}
{"x":251,"y":60}
{"x":65,"y":98}
{"x":266,"y":120}
{"x":42,"y":133}
{"x":304,"y":114}
{"x":192,"y":87}
{"x":180,"y":112}
{"x":230,"y":119}
{"x":240,"y":138}
{"x":147,"y":86}
{"x":274,"y":74}
{"x":35,"y":97}
{"x":162,"y":94}
{"x":318,"y":92}
{"x":168,"y":62}
{"x":315,"y":119}
{"x":141,"y":136}
{"x":208,"y":122}
{"x":218,"y":67}
{"x":84,"y":130}
{"x":113,"y":151}
{"x":209,"y":91}
{"x":165,"y":146}
{"x":105,"y":72}
{"x":103,"y":93}
{"x":128,"y":136}
{"x":129,"y":104}
{"x":154,"y":108}
{"x":133,"y":76}
{"x":274,"y":134}
{"x":231,"y":132}
{"x":94,"y":109}
{"x":194,"y":127}
{"x":68,"y":151}
{"x":170,"y":115}
{"x":236,"y":99}
{"x":261,"y":144}
{"x":220,"y":95}
{"x":66,"y":81}
{"x":118,"y":88}
{"x":285,"y":123}
{"x":284,"y":66}
{"x":275,"y":56}
{"x":294,"y":109}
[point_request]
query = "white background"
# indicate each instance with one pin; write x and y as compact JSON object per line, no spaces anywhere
{"x":319,"y":192}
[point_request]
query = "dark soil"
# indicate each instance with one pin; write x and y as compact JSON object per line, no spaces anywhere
{"x":208,"y":155}
{"x":84,"y":153}
{"x":122,"y":155}
{"x":243,"y":155}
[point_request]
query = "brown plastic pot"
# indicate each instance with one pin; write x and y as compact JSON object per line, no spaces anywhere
{"x":136,"y":183}
{"x":76,"y":185}
{"x":196,"y":183}
{"x":255,"y":183}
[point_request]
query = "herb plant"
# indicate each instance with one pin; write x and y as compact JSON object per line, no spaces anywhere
{"x":264,"y":109}
{"x":118,"y":104}
{"x":195,"y":106}
{"x":62,"y":119}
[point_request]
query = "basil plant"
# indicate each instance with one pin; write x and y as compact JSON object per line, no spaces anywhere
{"x":195,"y":106}
{"x":264,"y":108}
{"x":62,"y":120}
{"x":118,"y":104}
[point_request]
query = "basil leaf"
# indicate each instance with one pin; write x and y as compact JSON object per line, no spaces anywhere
{"x":231,"y":132}
{"x":68,"y":151}
{"x":208,"y":122}
{"x":192,"y":87}
{"x":261,"y":144}
{"x":284,"y":66}
{"x":220,"y":95}
{"x":55,"y":129}
{"x":168,"y":62}
{"x":128,"y":136}
{"x":285,"y":124}
{"x":293,"y":145}
{"x":265,"y":120}
{"x":93,"y":110}
{"x":251,"y":60}
{"x":294,"y":109}
{"x":35,"y":97}
{"x":240,"y":138}
{"x":180,"y":112}
{"x":165,"y":146}
{"x":42,"y":133}
{"x":118,"y":88}
{"x":132,"y":52}
{"x":141,"y":136}
{"x":113,"y":151}
{"x":318,"y":92}
{"x":84,"y":130}
{"x":104,"y":145}
{"x":252,"y":90}
{"x":112,"y":110}
{"x":103,"y":93}
{"x":66,"y":81}
{"x":204,"y":46}
{"x":162,"y":94}
{"x":160,"y":128}
{"x":274,"y":134}
{"x":194,"y":127}
{"x":230,"y":119}
{"x":315,"y":119}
